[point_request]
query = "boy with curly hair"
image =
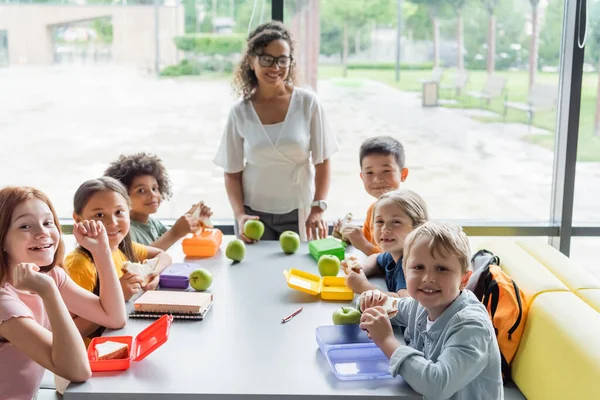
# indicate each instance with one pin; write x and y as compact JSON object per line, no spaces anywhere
{"x":148,"y":184}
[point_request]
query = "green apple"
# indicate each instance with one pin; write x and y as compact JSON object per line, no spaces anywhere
{"x":254,"y":229}
{"x":328,"y":265}
{"x":346,"y":316}
{"x":289,"y":241}
{"x":235,"y":250}
{"x":200,"y":279}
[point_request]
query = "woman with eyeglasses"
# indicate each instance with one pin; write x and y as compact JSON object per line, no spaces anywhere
{"x":276,"y":146}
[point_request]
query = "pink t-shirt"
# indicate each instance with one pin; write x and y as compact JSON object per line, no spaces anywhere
{"x":20,"y":376}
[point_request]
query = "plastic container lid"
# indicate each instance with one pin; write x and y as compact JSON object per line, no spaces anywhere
{"x":177,"y":275}
{"x":329,"y":245}
{"x":204,"y":244}
{"x":330,"y":287}
{"x":336,"y":335}
{"x":145,"y":343}
{"x":152,"y":337}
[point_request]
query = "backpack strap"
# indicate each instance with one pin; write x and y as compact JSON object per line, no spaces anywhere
{"x":491,"y":299}
{"x":506,"y":370}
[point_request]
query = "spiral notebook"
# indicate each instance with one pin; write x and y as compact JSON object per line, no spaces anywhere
{"x":181,"y":305}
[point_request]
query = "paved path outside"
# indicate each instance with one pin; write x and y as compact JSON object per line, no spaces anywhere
{"x":64,"y":124}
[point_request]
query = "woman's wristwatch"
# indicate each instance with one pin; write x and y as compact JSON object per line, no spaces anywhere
{"x":322,"y":204}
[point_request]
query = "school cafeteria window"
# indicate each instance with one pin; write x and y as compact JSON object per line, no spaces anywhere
{"x":84,"y":81}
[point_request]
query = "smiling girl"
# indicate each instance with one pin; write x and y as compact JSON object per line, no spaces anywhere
{"x":105,"y":200}
{"x":396,"y":214}
{"x":36,"y":329}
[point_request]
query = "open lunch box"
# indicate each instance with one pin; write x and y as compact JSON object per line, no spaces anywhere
{"x":329,"y":245}
{"x":140,"y":347}
{"x":329,"y":287}
{"x":203,"y":244}
{"x":351,"y":355}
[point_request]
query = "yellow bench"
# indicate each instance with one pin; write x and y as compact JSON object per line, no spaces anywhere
{"x":559,"y":353}
{"x":575,"y":277}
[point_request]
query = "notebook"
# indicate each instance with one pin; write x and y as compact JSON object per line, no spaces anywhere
{"x":181,"y":305}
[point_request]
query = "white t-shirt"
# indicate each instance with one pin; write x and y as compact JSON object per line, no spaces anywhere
{"x":277,"y":159}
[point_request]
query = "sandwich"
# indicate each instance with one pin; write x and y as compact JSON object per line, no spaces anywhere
{"x":390,"y":306}
{"x":145,"y":269}
{"x":352,"y":264}
{"x":112,"y":350}
{"x":204,"y":220}
{"x":337,"y":233}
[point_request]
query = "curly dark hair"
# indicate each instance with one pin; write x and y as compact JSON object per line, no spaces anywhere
{"x":128,"y":167}
{"x":244,"y":79}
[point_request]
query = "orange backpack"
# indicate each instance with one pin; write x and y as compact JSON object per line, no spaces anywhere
{"x":504,"y":301}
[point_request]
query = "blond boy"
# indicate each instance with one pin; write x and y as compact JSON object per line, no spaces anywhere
{"x":451,"y":349}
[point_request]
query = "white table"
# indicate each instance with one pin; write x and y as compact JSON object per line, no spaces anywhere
{"x":241,"y":349}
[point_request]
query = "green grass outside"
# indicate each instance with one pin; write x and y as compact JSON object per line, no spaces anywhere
{"x":517,"y":89}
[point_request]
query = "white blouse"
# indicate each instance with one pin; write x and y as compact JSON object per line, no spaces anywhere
{"x":278,"y":174}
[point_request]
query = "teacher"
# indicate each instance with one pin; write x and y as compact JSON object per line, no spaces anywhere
{"x":276,"y":146}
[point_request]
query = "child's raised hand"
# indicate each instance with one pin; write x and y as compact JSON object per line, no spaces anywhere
{"x":186,"y":224}
{"x":26,"y":276}
{"x":376,"y":323}
{"x":205,"y":210}
{"x":372,"y":298}
{"x":353,"y":234}
{"x":131,"y":285}
{"x":356,"y":281}
{"x":92,"y":235}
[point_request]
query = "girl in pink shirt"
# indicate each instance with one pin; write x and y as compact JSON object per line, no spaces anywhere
{"x":36,"y":329}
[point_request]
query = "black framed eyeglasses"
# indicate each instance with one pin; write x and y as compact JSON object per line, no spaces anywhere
{"x":266,"y":60}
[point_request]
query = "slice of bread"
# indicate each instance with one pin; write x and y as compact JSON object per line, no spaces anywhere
{"x":352,"y":263}
{"x":345,"y":221}
{"x":145,"y":269}
{"x":205,"y":221}
{"x":112,"y":350}
{"x":390,"y":306}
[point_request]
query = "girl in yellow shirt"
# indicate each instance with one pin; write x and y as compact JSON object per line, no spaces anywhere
{"x":106,"y":200}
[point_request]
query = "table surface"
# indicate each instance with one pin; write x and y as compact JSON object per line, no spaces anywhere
{"x":241,"y":348}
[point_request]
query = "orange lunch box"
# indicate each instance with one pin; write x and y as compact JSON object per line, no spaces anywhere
{"x":203,"y":244}
{"x":144,"y":343}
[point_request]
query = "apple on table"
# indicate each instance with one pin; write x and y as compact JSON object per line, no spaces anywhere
{"x":346,"y":316}
{"x":235,"y":250}
{"x":329,"y":265}
{"x":289,"y":241}
{"x":200,"y":279}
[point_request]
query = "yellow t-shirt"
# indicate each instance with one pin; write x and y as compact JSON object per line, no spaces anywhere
{"x":82,"y":270}
{"x":368,"y":230}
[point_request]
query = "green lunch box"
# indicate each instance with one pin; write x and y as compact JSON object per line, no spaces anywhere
{"x":329,"y":245}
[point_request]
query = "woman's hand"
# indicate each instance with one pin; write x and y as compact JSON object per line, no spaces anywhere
{"x":91,"y":235}
{"x":316,"y":227}
{"x":241,"y":221}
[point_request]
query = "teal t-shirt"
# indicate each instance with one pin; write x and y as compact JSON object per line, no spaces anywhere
{"x":146,"y":233}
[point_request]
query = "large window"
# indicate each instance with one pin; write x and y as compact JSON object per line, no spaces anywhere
{"x":82,"y":87}
{"x":85,"y":81}
{"x":470,"y":158}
